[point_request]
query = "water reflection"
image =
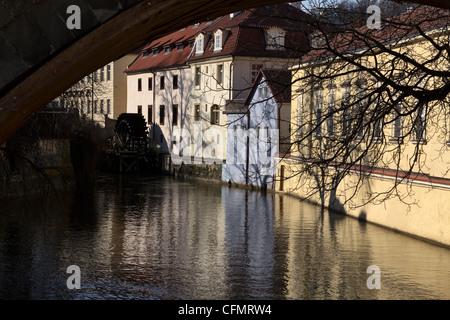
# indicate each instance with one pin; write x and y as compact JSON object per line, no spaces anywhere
{"x":140,"y":237}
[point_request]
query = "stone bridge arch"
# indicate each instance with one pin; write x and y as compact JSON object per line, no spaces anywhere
{"x":40,"y":57}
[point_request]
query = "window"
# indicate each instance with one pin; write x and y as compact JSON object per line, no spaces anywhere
{"x":269,"y":142}
{"x":199,"y":45}
{"x":318,"y":113}
{"x":102,"y":74}
{"x":89,"y":106}
{"x":299,"y":115}
{"x":102,"y":109}
{"x":197,"y":77}
{"x":215,"y":114}
{"x":139,"y":84}
{"x":397,"y":124}
{"x":108,"y":72}
{"x":167,"y":50}
{"x":360,"y":111}
{"x":220,"y":74}
{"x":180,"y":46}
{"x":108,"y":106}
{"x":82,"y":106}
{"x":95,"y":106}
{"x":197,"y":112}
{"x":150,"y":84}
{"x":155,"y":52}
{"x":175,"y":81}
{"x":275,"y":39}
{"x":94,"y":75}
{"x":255,"y":71}
{"x":139,"y":109}
{"x":150,"y":114}
{"x":161,"y":83}
{"x":378,"y":129}
{"x":330,"y":116}
{"x":161,"y":115}
{"x":218,"y":41}
{"x":419,"y":125}
{"x":317,"y":40}
{"x":175,"y":115}
{"x":345,"y":112}
{"x":263,"y":91}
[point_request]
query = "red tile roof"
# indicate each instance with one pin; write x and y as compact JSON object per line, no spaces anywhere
{"x":244,"y":36}
{"x":174,"y":58}
{"x":401,"y":27}
{"x":278,"y":81}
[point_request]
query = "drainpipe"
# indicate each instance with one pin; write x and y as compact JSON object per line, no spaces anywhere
{"x":231,"y":74}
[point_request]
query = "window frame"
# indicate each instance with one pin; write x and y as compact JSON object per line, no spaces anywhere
{"x":162,"y":115}
{"x":175,"y":115}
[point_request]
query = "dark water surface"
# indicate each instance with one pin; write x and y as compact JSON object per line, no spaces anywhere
{"x":139,"y":237}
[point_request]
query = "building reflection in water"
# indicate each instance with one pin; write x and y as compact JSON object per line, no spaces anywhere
{"x":159,"y":238}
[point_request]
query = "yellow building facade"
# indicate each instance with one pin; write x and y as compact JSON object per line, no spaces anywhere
{"x":364,"y":144}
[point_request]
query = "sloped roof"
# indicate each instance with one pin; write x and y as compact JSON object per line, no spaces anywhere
{"x":278,"y":81}
{"x":236,"y":106}
{"x":245,"y":33}
{"x":244,"y":36}
{"x":175,"y":57}
{"x":401,"y":27}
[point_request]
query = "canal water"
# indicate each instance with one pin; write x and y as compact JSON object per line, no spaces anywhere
{"x":152,"y":237}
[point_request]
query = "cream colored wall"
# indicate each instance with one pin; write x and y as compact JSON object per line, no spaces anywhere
{"x":422,"y":211}
{"x":434,"y":155}
{"x":416,"y":208}
{"x":210,"y":93}
{"x":137,"y":98}
{"x":157,"y":97}
{"x":243,"y":69}
{"x":237,"y":76}
{"x":120,"y":84}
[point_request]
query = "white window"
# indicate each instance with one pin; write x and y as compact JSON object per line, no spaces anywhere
{"x":397,"y":124}
{"x":255,"y":71}
{"x":419,"y":124}
{"x":360,"y":111}
{"x":318,"y":113}
{"x":346,"y":123}
{"x":275,"y":39}
{"x":199,"y":44}
{"x":218,"y":41}
{"x":299,"y":115}
{"x":220,"y":74}
{"x":330,"y":116}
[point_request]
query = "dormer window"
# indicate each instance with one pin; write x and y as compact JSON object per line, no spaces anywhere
{"x":218,"y":40}
{"x":317,"y":40}
{"x":145,"y":54}
{"x":167,"y":50}
{"x":275,"y":39}
{"x":199,"y":44}
{"x":155,"y":52}
{"x":180,"y":46}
